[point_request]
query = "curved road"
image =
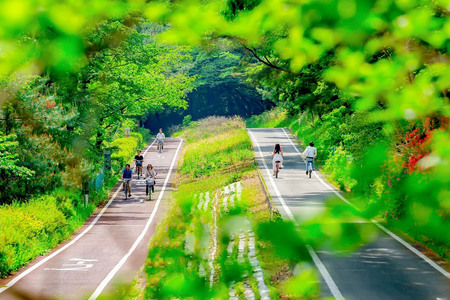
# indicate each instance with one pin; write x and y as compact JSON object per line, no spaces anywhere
{"x":387,"y":268}
{"x":108,"y":249}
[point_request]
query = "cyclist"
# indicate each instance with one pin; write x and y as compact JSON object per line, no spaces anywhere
{"x":310,"y":153}
{"x":160,"y":138}
{"x":150,"y":178}
{"x":277,"y":155}
{"x":138,"y":159}
{"x":127,"y":175}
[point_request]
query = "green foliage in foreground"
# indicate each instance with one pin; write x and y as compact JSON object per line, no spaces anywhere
{"x":379,"y":169}
{"x":181,"y":247}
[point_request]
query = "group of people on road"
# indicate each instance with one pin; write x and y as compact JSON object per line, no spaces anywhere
{"x":310,"y":154}
{"x":149,"y":174}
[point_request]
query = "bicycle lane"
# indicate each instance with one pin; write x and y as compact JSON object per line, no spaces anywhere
{"x":382,"y":269}
{"x":111,"y":246}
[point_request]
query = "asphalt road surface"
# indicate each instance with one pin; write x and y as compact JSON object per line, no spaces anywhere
{"x":386,"y":268}
{"x":109,"y":249}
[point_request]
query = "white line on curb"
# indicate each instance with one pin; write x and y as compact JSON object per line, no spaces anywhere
{"x":34,"y":267}
{"x":323,"y":271}
{"x":393,"y":235}
{"x":111,"y":274}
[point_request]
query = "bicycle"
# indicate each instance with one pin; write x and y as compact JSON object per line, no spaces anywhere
{"x":127,"y":187}
{"x":139,"y":168}
{"x":150,"y":182}
{"x":309,"y":167}
{"x":159,"y":148}
{"x":277,"y":168}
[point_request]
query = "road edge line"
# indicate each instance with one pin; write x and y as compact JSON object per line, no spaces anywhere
{"x":117,"y":267}
{"x":393,"y":235}
{"x":320,"y":266}
{"x":37,"y":265}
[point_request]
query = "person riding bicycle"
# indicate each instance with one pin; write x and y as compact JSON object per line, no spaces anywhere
{"x":160,"y":138}
{"x":310,"y":153}
{"x":138,"y":159}
{"x":150,"y":178}
{"x":277,"y":155}
{"x":127,"y":176}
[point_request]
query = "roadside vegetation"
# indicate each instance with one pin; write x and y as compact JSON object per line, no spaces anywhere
{"x":402,"y":192}
{"x":368,"y":80}
{"x":33,"y":227}
{"x":210,"y":244}
{"x":70,"y":83}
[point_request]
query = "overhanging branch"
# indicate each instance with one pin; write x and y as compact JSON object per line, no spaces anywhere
{"x":267,"y":62}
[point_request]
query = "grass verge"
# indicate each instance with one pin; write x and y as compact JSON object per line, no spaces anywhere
{"x":208,"y":246}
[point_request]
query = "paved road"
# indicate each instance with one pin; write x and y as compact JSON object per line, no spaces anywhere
{"x":110,"y":247}
{"x":383,"y":269}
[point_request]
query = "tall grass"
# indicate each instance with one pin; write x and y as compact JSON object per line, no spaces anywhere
{"x":217,"y":152}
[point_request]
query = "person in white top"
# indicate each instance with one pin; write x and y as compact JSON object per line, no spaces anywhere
{"x":150,"y":178}
{"x":277,"y":155}
{"x":160,"y":138}
{"x":310,"y":153}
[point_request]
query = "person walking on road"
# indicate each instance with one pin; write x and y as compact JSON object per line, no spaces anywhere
{"x":127,"y":176}
{"x":160,"y":138}
{"x":150,"y":178}
{"x":277,"y":155}
{"x":310,"y":153}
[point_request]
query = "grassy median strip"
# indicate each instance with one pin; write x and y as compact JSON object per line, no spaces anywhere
{"x":208,"y":245}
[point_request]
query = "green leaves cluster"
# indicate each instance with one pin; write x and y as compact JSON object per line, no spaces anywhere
{"x":69,"y":76}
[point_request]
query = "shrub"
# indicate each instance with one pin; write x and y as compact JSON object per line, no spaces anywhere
{"x":29,"y":229}
{"x":125,"y":150}
{"x":140,"y":139}
{"x":146,"y":134}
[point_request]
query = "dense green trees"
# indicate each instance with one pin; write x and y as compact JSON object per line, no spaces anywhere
{"x":369,"y":77}
{"x":65,"y":99}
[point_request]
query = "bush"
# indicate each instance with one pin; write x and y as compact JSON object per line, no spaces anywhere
{"x":338,"y":165}
{"x":187,"y":120}
{"x":140,"y":139}
{"x":146,"y":134}
{"x":125,"y":150}
{"x":28,"y":230}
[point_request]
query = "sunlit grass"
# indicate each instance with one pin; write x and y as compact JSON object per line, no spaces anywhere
{"x":218,"y":152}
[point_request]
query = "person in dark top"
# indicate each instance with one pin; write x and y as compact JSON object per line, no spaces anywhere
{"x":127,"y":175}
{"x":138,"y":159}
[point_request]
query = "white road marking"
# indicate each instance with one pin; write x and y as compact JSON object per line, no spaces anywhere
{"x":34,"y":267}
{"x":113,"y":272}
{"x":149,"y":147}
{"x":394,"y":236}
{"x":412,"y":249}
{"x":80,"y":265}
{"x":323,"y":271}
{"x":43,"y":261}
